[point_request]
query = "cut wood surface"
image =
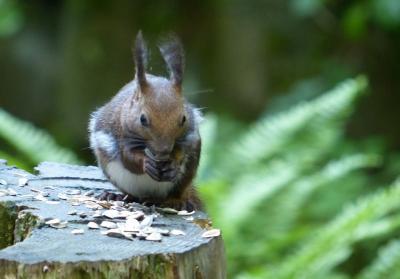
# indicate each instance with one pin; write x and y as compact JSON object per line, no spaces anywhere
{"x":34,"y":244}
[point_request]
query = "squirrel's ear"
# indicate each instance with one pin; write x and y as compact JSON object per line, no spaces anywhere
{"x":172,"y":52}
{"x":140,"y":57}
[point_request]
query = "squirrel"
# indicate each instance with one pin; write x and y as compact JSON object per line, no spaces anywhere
{"x":146,"y":139}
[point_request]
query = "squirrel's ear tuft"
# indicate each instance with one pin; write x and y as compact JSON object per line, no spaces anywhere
{"x":172,"y":52}
{"x":140,"y":57}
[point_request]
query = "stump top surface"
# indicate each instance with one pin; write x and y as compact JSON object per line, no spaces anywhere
{"x":47,"y":244}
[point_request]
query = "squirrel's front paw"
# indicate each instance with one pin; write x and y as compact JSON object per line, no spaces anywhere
{"x":161,"y":171}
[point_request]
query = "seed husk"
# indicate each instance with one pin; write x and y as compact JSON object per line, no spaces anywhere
{"x":155,"y":236}
{"x":108,"y":225}
{"x":72,"y":212}
{"x":131,"y":225}
{"x":136,"y":214}
{"x":169,"y":210}
{"x":147,"y":221}
{"x":62,"y":196}
{"x":185,"y":212}
{"x":52,"y":202}
{"x":104,"y":204}
{"x":89,"y":193}
{"x":44,"y":194}
{"x":78,"y":231}
{"x":211,"y":233}
{"x":40,"y":197}
{"x":93,"y":225}
{"x":12,"y":192}
{"x":141,"y":235}
{"x":176,"y":232}
{"x":22,"y":181}
{"x":73,"y":192}
{"x":60,"y":225}
{"x":118,"y":234}
{"x":111,"y":213}
{"x":53,"y":221}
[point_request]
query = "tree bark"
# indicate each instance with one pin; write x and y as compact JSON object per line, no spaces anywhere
{"x":30,"y":248}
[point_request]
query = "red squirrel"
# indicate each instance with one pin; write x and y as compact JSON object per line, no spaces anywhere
{"x":146,"y":139}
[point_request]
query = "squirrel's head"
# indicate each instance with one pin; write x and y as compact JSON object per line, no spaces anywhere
{"x":156,"y":111}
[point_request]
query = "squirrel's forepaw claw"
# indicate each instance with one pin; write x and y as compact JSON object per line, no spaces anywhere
{"x":152,"y":171}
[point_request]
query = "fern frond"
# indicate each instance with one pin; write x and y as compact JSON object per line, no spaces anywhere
{"x":33,"y":142}
{"x":272,"y":133}
{"x":329,"y":245}
{"x":387,"y":264}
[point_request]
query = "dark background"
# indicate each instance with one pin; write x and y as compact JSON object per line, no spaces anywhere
{"x":62,"y":59}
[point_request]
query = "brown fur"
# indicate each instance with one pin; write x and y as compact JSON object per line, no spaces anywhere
{"x":161,"y":102}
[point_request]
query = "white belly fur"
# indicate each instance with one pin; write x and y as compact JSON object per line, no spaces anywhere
{"x":140,"y":186}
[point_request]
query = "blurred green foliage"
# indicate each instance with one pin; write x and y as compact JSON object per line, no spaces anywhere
{"x":296,"y":199}
{"x":303,"y":189}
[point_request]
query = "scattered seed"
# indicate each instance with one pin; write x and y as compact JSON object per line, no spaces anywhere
{"x":189,"y":218}
{"x":49,"y":187}
{"x":119,"y":234}
{"x":3,"y":182}
{"x":92,"y":205}
{"x":62,"y":196}
{"x":104,"y":204}
{"x":147,"y":221}
{"x":131,"y":225}
{"x":52,"y":202}
{"x":44,"y":194}
{"x":141,"y":235}
{"x":22,"y":181}
{"x":75,"y":204}
{"x":61,"y":225}
{"x":177,"y":232}
{"x":211,"y":233}
{"x":119,"y":203}
{"x":136,"y":214}
{"x":155,"y":236}
{"x":40,"y":197}
{"x":12,"y":192}
{"x":2,"y":194}
{"x":185,"y":212}
{"x":112,"y":214}
{"x":93,"y":225}
{"x":108,"y":225}
{"x":97,"y":214}
{"x":72,"y":212}
{"x":89,"y":193}
{"x":77,"y":231}
{"x":53,"y":221}
{"x":73,"y":192}
{"x":168,"y":210}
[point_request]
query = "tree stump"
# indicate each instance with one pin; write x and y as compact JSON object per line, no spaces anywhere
{"x":34,"y":244}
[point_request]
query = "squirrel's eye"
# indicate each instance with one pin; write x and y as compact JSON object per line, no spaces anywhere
{"x":144,"y":121}
{"x":183,"y":120}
